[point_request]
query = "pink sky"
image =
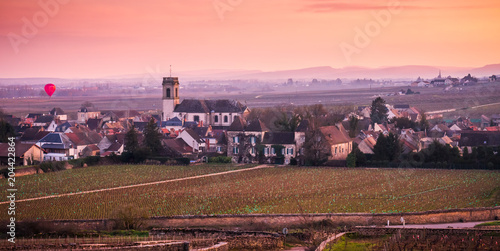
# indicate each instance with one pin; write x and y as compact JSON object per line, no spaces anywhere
{"x":92,"y":38}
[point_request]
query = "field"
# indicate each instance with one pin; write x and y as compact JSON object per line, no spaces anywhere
{"x":430,"y":99}
{"x":268,"y":190}
{"x":99,"y":177}
{"x":416,"y":242}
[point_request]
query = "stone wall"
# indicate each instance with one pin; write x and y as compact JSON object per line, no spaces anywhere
{"x":288,"y":220}
{"x":379,"y":231}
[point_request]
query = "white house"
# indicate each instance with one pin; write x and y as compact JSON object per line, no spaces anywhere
{"x":193,"y":140}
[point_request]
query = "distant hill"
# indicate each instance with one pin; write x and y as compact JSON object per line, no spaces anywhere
{"x":408,"y":72}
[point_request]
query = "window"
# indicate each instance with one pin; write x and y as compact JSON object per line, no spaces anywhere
{"x":196,"y":118}
{"x":266,"y":151}
{"x":252,"y":150}
{"x":236,"y":150}
{"x":252,"y":140}
{"x":273,"y":151}
{"x":176,"y":92}
{"x":216,"y":118}
{"x":335,"y":150}
{"x":168,"y":92}
{"x":282,"y":151}
{"x":289,"y":151}
{"x":225,"y":119}
{"x":219,"y":149}
{"x":236,"y":139}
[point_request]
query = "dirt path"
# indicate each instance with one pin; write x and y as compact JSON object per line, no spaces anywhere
{"x":139,"y":185}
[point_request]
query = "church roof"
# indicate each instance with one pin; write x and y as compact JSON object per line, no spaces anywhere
{"x":207,"y":106}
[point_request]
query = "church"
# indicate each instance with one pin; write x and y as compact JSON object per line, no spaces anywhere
{"x":217,"y":113}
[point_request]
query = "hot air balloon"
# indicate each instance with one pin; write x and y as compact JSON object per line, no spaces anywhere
{"x":50,"y":89}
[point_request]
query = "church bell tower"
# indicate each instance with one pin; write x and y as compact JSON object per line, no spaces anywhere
{"x":170,"y":97}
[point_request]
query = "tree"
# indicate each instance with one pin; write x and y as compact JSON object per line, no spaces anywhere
{"x":424,"y":124}
{"x":129,"y":217}
{"x":393,"y":146}
{"x":152,"y":137}
{"x":131,"y":141}
{"x":87,"y":104}
{"x":353,"y":126}
{"x":6,"y":131}
{"x":356,"y":157}
{"x":380,"y":149}
{"x":387,"y":148}
{"x":316,"y":151}
{"x":287,"y":123}
{"x":378,"y":111}
{"x":403,"y":123}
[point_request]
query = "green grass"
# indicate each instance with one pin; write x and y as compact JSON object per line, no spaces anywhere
{"x":353,"y":242}
{"x":488,"y":224}
{"x":99,"y":177}
{"x":281,"y":190}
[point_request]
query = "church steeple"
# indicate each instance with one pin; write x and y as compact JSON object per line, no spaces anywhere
{"x":170,"y":96}
{"x":439,"y":74}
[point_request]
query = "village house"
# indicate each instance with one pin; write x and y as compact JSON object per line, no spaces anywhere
{"x":58,"y":113}
{"x":193,"y":140}
{"x":44,"y":121}
{"x":337,"y":140}
{"x":112,"y":144}
{"x":58,"y":147}
{"x":25,"y":154}
{"x":86,"y":113}
{"x":243,"y":138}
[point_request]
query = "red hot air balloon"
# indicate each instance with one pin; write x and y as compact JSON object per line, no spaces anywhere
{"x":50,"y":89}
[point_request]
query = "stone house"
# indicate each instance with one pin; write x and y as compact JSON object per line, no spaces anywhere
{"x":243,"y":140}
{"x":337,"y":140}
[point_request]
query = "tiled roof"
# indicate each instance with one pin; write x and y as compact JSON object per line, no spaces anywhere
{"x":202,"y":131}
{"x":19,"y":150}
{"x":177,"y":145}
{"x":175,"y":121}
{"x":44,"y":119}
{"x":29,"y":134}
{"x":207,"y":106}
{"x":114,"y":147}
{"x":403,"y":106}
{"x":56,"y":141}
{"x":256,"y":126}
{"x":193,"y":135}
{"x":33,"y":115}
{"x":278,"y":138}
{"x":334,"y":135}
{"x":94,"y":124}
{"x":238,"y":125}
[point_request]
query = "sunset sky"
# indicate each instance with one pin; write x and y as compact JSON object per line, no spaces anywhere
{"x":91,"y":38}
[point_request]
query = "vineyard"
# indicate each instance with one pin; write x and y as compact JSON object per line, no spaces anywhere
{"x":269,"y":190}
{"x":99,"y":177}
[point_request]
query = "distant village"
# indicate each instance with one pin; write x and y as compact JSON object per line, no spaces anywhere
{"x":203,"y":129}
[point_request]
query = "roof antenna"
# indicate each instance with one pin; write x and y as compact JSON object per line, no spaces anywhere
{"x":170,"y":70}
